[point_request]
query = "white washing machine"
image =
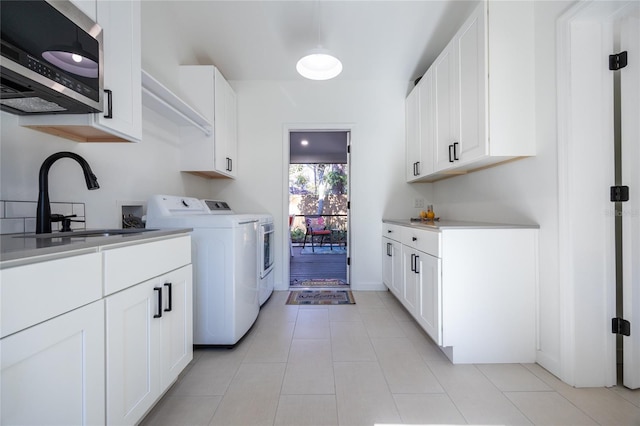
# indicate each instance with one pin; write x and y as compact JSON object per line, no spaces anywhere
{"x":224,"y":256}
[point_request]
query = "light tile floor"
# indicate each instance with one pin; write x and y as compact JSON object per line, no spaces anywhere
{"x":368,"y":364}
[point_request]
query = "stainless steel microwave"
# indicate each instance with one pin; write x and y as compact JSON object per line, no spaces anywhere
{"x":51,"y":59}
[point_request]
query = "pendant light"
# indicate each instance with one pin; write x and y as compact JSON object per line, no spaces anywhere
{"x":73,"y":58}
{"x":319,"y":63}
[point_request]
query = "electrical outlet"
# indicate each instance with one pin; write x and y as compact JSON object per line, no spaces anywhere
{"x":418,"y":203}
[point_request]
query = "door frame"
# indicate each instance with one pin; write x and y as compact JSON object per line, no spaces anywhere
{"x":586,"y":264}
{"x":309,"y":127}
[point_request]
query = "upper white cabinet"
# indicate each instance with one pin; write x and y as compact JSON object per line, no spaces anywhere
{"x":121,"y":119}
{"x":213,"y":156}
{"x":482,"y":93}
{"x":420,"y":130}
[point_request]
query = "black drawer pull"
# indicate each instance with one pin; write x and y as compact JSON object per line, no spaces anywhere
{"x":170,"y":297}
{"x":159,"y":290}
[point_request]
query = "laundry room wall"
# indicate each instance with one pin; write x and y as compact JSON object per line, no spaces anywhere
{"x":125,"y":171}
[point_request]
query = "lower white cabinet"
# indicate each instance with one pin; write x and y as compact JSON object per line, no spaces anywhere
{"x":392,"y":265}
{"x":149,"y":341}
{"x":53,"y":372}
{"x":471,"y":288}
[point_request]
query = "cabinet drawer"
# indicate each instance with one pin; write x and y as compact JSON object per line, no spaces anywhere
{"x":40,"y":291}
{"x":393,"y":232}
{"x":422,"y":240}
{"x":129,"y":265}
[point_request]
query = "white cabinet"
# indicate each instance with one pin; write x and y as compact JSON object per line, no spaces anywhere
{"x":149,"y":320}
{"x":392,"y":272}
{"x":483,"y":101}
{"x":412,"y":279}
{"x":149,"y":333}
{"x":429,"y":309}
{"x":420,"y":129}
{"x":472,"y":289}
{"x":121,"y":119}
{"x":53,"y":372}
{"x":108,"y":359}
{"x":52,"y":338}
{"x":213,"y":156}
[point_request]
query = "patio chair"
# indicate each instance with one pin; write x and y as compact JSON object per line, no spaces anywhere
{"x":316,"y":227}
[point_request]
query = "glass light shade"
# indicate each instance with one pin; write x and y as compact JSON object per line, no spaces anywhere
{"x":319,"y":65}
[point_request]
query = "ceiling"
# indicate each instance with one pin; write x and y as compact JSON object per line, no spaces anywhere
{"x":263,"y":40}
{"x":329,"y":147}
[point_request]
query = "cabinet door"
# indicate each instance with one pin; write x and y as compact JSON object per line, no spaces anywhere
{"x":177,"y":324}
{"x":225,"y":126}
{"x":426,"y":117}
{"x":410,"y":260}
{"x":52,"y":373}
{"x":133,"y":366}
{"x":430,"y":303}
{"x":472,"y":76}
{"x":120,"y":21}
{"x":392,"y":273}
{"x":446,"y":108}
{"x":412,"y":125}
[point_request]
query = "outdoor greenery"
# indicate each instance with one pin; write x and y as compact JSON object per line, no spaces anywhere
{"x":318,"y":179}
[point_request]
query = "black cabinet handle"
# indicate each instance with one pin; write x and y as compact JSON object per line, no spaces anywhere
{"x":389,"y":249}
{"x":415,"y":268}
{"x":159,"y":290}
{"x":229,"y":164}
{"x":389,"y":231}
{"x":414,"y":238}
{"x":413,"y":258}
{"x":168,"y":285}
{"x":455,"y":151}
{"x":109,"y":113}
{"x":417,"y":168}
{"x":450,"y":155}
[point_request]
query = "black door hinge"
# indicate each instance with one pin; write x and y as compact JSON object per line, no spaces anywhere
{"x":348,"y":205}
{"x":620,"y":326}
{"x":619,"y":193}
{"x":348,"y":261}
{"x":618,"y":61}
{"x":348,"y":149}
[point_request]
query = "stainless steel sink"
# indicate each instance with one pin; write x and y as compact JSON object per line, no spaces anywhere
{"x":89,"y":233}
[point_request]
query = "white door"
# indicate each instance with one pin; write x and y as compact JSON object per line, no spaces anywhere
{"x":412,"y":124}
{"x":472,"y":77}
{"x":411,"y":261}
{"x":630,"y":111}
{"x":430,"y":301}
{"x":133,"y":332}
{"x":52,"y":373}
{"x":177,"y":324}
{"x":446,"y":108}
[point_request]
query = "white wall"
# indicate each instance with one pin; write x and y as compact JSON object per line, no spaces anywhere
{"x":125,"y":171}
{"x":524,"y":191}
{"x":374,"y":110}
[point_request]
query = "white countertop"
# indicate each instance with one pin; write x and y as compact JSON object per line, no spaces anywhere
{"x":453,"y":224}
{"x":21,"y":247}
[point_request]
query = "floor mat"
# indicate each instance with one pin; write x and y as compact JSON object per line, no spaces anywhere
{"x":324,"y":250}
{"x":320,"y":282}
{"x":321,"y":297}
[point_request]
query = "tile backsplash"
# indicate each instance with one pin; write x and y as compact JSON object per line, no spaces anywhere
{"x":20,"y":216}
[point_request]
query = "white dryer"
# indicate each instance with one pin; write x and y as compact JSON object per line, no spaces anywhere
{"x":266,"y":257}
{"x":224,"y":257}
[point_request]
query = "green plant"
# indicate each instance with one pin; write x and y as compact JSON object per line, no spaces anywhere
{"x":297,"y":235}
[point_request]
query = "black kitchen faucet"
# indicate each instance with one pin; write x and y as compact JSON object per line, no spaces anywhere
{"x":43,"y":214}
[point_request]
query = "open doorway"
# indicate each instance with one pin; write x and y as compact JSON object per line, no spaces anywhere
{"x":318,"y":208}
